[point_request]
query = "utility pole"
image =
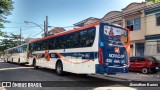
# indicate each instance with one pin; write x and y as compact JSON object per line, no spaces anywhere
{"x":44,"y":29}
{"x":46,"y":26}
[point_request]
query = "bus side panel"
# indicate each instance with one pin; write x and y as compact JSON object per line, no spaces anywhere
{"x":88,"y":66}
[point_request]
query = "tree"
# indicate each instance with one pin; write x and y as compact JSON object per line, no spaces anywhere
{"x":15,"y":38}
{"x":6,"y":6}
{"x":10,"y":41}
{"x":5,"y":44}
{"x":154,"y":1}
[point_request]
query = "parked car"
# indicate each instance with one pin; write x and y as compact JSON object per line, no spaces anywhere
{"x":145,"y":64}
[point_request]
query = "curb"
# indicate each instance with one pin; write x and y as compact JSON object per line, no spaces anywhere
{"x":120,"y":78}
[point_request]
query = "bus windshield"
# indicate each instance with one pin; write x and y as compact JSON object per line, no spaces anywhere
{"x":117,"y":34}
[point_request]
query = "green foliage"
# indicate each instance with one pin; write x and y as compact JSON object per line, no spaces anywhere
{"x":6,"y":6}
{"x":154,"y":1}
{"x":10,"y":41}
{"x":5,"y":44}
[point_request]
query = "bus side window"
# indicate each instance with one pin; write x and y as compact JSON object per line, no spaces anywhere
{"x":25,"y":48}
{"x":69,"y":43}
{"x":36,"y":46}
{"x":91,"y":37}
{"x":31,"y":47}
{"x":44,"y":45}
{"x":83,"y":37}
{"x":75,"y":40}
{"x":51,"y":43}
{"x":39,"y":46}
{"x":63,"y":41}
{"x":58,"y":43}
{"x":55,"y":43}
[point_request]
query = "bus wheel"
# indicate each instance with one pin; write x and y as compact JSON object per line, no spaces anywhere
{"x":12,"y":60}
{"x":59,"y":68}
{"x":19,"y":62}
{"x":34,"y":64}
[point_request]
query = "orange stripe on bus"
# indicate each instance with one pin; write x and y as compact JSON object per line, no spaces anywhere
{"x":63,"y":58}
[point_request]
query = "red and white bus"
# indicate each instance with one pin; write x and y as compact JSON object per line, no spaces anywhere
{"x":95,"y":48}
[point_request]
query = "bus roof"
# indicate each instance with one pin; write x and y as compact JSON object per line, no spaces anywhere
{"x":16,"y":46}
{"x":69,"y":31}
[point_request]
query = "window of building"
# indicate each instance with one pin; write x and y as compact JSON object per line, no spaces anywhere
{"x":137,"y":24}
{"x":134,"y":24}
{"x":158,"y":46}
{"x":158,"y":19}
{"x":139,"y":49}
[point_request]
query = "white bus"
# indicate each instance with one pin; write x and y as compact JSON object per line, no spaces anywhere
{"x":95,"y":48}
{"x":18,"y":54}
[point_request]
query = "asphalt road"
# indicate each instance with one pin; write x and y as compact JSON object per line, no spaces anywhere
{"x":13,"y":72}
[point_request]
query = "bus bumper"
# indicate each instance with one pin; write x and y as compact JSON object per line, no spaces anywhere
{"x":102,"y":69}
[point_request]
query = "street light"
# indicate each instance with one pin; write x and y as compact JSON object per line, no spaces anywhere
{"x":38,"y":26}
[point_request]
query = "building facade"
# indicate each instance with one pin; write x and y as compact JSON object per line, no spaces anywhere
{"x":152,"y":47}
{"x":86,"y":22}
{"x":55,"y":30}
{"x":133,"y":17}
{"x":143,"y":20}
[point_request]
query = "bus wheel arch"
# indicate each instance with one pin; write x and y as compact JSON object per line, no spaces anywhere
{"x":59,"y":67}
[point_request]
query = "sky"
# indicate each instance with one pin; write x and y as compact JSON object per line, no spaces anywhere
{"x":61,"y":13}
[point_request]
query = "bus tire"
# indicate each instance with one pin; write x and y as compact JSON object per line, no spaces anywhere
{"x":19,"y":61}
{"x":59,"y":68}
{"x":34,"y":64}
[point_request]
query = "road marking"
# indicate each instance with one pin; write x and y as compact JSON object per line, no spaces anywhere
{"x":3,"y":69}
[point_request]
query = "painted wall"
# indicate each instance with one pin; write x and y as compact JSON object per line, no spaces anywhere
{"x":136,"y":34}
{"x":151,"y":27}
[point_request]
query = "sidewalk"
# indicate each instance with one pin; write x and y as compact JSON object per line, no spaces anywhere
{"x":131,"y":76}
{"x":134,"y":76}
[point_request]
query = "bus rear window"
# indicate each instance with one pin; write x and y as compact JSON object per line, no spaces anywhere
{"x":112,"y":33}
